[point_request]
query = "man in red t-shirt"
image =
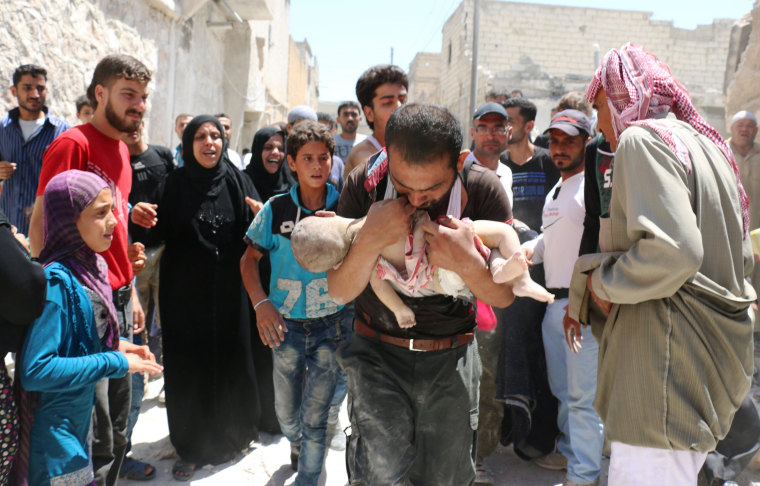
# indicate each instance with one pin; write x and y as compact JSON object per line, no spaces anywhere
{"x":118,"y":92}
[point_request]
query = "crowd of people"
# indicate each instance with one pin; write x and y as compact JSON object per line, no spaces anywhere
{"x":615,"y":306}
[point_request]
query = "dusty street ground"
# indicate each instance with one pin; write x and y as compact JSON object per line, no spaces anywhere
{"x":268,"y":461}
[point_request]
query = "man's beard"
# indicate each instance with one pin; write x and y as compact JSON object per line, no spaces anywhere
{"x":121,"y":124}
{"x":349,"y":129}
{"x":573,"y":164}
{"x":39,"y":108}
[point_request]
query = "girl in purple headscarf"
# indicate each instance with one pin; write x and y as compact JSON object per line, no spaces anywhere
{"x":75,"y":342}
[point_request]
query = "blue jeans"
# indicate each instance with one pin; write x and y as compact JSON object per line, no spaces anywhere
{"x":572,"y":379}
{"x":305,"y":376}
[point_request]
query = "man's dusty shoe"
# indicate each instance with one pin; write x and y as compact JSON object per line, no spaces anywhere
{"x":554,"y":461}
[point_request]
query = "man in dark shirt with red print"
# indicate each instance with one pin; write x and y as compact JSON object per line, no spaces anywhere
{"x":414,"y":391}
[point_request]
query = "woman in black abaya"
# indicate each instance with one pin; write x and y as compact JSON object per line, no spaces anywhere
{"x":211,"y":389}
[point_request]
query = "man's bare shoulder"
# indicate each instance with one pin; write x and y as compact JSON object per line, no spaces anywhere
{"x":360,"y":153}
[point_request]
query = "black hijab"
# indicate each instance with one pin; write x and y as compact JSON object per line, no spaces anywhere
{"x":209,"y":183}
{"x":267,"y":184}
{"x":206,"y":181}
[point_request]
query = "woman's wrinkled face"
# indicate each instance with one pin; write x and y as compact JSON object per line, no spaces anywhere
{"x":207,"y":145}
{"x":273,"y":153}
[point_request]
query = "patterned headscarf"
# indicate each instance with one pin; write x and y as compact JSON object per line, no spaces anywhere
{"x":638,"y":87}
{"x":66,"y":196}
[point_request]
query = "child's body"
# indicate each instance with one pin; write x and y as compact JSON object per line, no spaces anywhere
{"x":75,"y":342}
{"x":321,"y":243}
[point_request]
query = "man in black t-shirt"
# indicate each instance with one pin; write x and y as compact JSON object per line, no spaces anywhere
{"x":414,"y":391}
{"x":522,"y":381}
{"x":150,"y":166}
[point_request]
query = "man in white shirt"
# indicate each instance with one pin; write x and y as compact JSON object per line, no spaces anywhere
{"x":572,"y":377}
{"x":349,"y":117}
{"x":234,"y":157}
{"x":490,"y":135}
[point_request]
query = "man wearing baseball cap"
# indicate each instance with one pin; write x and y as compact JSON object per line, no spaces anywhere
{"x":572,"y":373}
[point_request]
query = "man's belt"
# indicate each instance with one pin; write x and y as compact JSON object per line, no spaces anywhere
{"x":122,"y":295}
{"x":414,"y":344}
{"x":559,"y":293}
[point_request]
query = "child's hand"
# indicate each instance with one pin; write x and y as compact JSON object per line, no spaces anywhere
{"x":271,"y":325}
{"x":139,"y":365}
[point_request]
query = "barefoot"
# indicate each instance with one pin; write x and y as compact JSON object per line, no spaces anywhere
{"x":506,"y":270}
{"x":405,"y":317}
{"x":524,"y":286}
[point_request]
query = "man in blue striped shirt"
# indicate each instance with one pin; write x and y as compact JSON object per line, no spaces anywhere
{"x":24,"y":135}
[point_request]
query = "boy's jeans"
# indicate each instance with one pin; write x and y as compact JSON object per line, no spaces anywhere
{"x":305,"y":375}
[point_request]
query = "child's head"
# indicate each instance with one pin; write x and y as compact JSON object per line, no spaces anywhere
{"x":77,"y":212}
{"x":85,"y":112}
{"x":310,"y":150}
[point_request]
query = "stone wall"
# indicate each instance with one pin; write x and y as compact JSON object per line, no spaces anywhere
{"x":424,"y":74}
{"x":546,"y":51}
{"x":204,"y":59}
{"x":743,"y":90}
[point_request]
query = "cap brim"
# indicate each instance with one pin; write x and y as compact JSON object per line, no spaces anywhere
{"x":565,"y":127}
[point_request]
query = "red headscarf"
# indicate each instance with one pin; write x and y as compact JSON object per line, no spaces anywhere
{"x":639,"y":86}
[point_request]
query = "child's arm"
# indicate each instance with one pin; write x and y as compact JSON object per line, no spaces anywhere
{"x":391,"y":300}
{"x":269,"y":321}
{"x":42,"y":369}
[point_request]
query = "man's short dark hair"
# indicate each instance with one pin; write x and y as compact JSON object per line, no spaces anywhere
{"x":113,"y":67}
{"x":422,"y":132}
{"x":25,"y":69}
{"x":574,"y":100}
{"x":221,"y":115}
{"x":346,"y":104}
{"x":326,"y":117}
{"x":375,"y":76}
{"x":309,"y":131}
{"x":527,"y":108}
{"x":516,"y":93}
{"x":81,"y":102}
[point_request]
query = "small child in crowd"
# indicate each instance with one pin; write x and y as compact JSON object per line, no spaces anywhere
{"x":298,"y":319}
{"x":85,"y":112}
{"x":75,"y":342}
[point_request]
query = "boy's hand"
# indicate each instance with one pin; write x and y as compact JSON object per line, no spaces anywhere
{"x":144,"y":214}
{"x":271,"y":325}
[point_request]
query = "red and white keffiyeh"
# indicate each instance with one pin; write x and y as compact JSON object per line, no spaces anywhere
{"x":639,"y":86}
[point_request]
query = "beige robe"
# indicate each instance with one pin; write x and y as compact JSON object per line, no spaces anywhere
{"x":675,"y":352}
{"x":749,"y":171}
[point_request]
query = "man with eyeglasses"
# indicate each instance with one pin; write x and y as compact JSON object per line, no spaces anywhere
{"x":490,"y":135}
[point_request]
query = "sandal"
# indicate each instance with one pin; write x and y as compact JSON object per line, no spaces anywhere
{"x":136,"y":470}
{"x":182,"y":470}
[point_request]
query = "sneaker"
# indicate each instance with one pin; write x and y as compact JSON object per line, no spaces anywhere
{"x":482,"y":474}
{"x":295,"y":452}
{"x":554,"y":461}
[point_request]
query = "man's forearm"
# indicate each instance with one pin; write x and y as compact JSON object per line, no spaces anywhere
{"x":346,"y":282}
{"x":35,"y":228}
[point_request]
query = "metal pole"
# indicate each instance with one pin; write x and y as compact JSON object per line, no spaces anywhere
{"x":474,"y":71}
{"x":391,"y":55}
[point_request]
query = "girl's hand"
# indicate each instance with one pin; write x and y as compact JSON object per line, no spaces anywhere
{"x":140,"y":365}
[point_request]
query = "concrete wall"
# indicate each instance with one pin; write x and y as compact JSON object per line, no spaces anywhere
{"x":204,"y":59}
{"x":546,"y":51}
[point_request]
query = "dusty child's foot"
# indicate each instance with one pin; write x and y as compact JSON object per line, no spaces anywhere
{"x":524,"y":286}
{"x":506,"y":270}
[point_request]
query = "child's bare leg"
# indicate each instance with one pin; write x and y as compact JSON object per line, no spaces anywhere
{"x":501,"y":236}
{"x":391,"y":300}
